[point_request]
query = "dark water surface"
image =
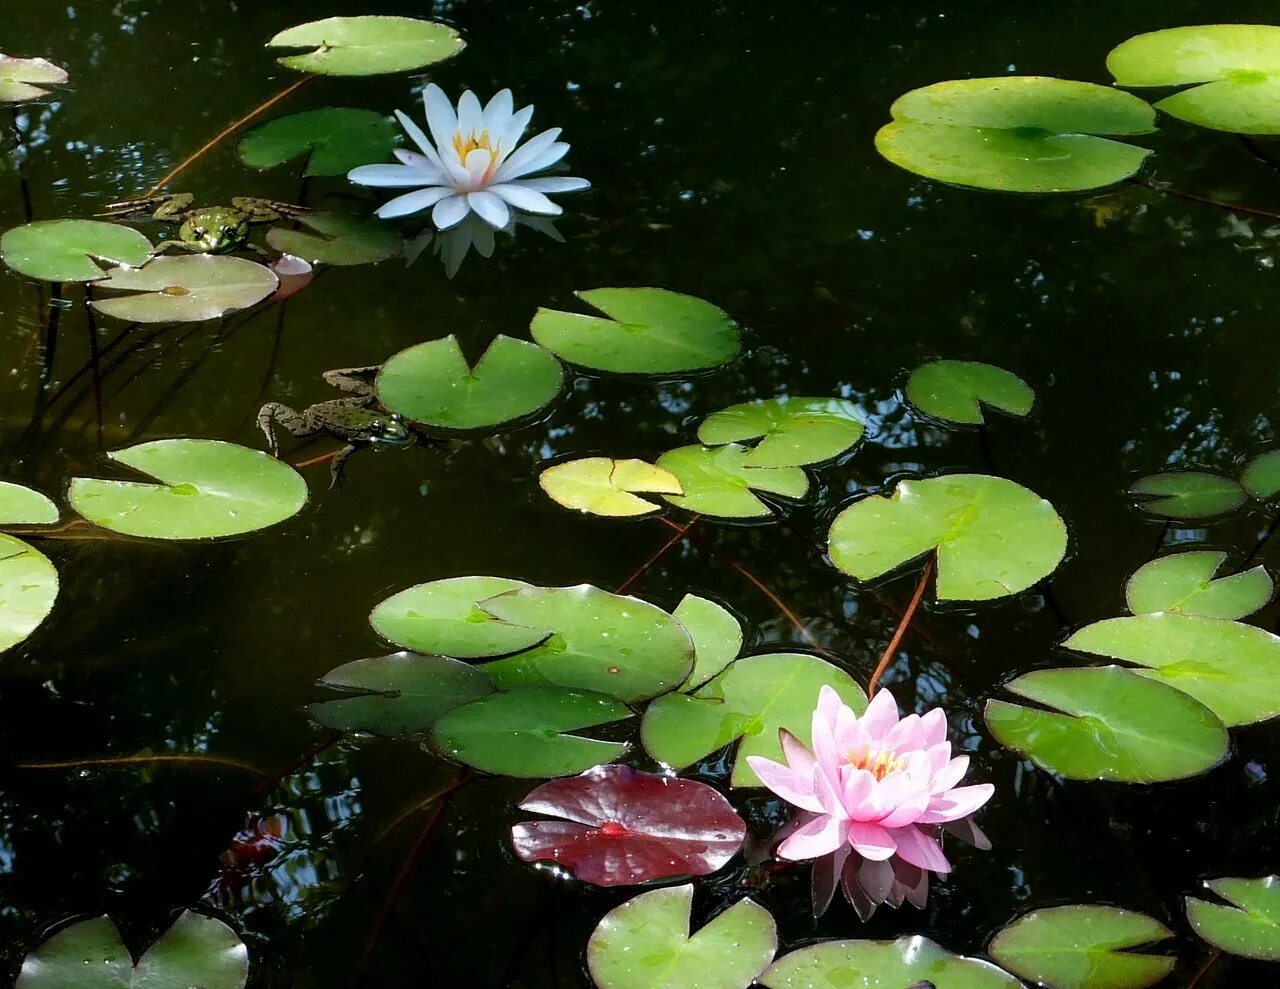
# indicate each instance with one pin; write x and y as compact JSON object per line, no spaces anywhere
{"x":730,"y":147}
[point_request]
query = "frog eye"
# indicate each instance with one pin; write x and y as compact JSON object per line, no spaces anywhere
{"x":378,"y":428}
{"x":199,"y":231}
{"x":228,"y":231}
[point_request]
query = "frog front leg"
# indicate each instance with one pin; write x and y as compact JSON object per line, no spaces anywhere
{"x":300,"y":424}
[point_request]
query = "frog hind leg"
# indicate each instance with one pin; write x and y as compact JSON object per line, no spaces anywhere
{"x":339,"y":462}
{"x":357,"y":381}
{"x":299,"y":424}
{"x":158,"y":207}
{"x":266,"y":210}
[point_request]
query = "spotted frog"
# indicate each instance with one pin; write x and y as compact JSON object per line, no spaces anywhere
{"x":204,"y":229}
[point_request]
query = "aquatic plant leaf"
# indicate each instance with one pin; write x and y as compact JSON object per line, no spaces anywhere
{"x":717,"y":638}
{"x":602,"y":486}
{"x":612,"y":644}
{"x":194,"y":951}
{"x":907,"y":963}
{"x":400,"y":694}
{"x":623,"y":827}
{"x":28,"y":588}
{"x":430,"y":383}
{"x":645,"y":944}
{"x":1230,"y":668}
{"x":717,"y":481}
{"x":1184,"y":583}
{"x":521,"y":732}
{"x":1083,"y":946}
{"x":63,"y":250}
{"x":20,"y":505}
{"x":338,"y":239}
{"x":1187,"y":494}
{"x":1017,"y":133}
{"x":294,"y":274}
{"x":368,"y":45}
{"x":1261,"y":477}
{"x":1238,"y":66}
{"x":751,"y":700}
{"x":190,"y":288}
{"x":23,"y":79}
{"x":1108,"y":723}
{"x":649,"y":331}
{"x":207,"y":489}
{"x":445,"y":618}
{"x":992,"y":537}
{"x":957,"y":391}
{"x":793,"y":431}
{"x":1250,"y":927}
{"x":334,"y":140}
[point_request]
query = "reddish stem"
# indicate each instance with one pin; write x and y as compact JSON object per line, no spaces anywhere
{"x":644,"y":568}
{"x":892,"y":649}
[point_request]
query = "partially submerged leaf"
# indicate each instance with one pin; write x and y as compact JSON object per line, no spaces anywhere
{"x":23,"y":79}
{"x":1184,"y":583}
{"x":338,"y":239}
{"x":793,"y":431}
{"x":368,"y":45}
{"x":1250,"y":927}
{"x":1189,"y":495}
{"x":716,"y":481}
{"x":20,"y":505}
{"x":717,"y":638}
{"x":334,"y":140}
{"x":603,"y":486}
{"x":901,"y":964}
{"x":189,"y":288}
{"x":957,"y":391}
{"x":28,"y":588}
{"x":1261,"y":477}
{"x":444,"y":617}
{"x":63,"y":250}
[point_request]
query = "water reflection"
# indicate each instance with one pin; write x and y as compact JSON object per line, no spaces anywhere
{"x":452,"y":246}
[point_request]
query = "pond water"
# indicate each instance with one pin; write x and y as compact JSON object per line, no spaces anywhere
{"x":730,"y":150}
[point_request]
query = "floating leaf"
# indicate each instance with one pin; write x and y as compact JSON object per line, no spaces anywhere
{"x":645,"y":944}
{"x":603,"y":486}
{"x":1187,"y":494}
{"x":1184,"y":583}
{"x":444,"y":617}
{"x":195,"y":951}
{"x":1113,"y":725}
{"x":608,"y":643}
{"x":186,"y":289}
{"x":751,"y":700}
{"x":716,"y":634}
{"x":367,"y":46}
{"x":1083,"y":946}
{"x":207,"y":489}
{"x":1239,"y":65}
{"x":902,"y":964}
{"x":20,"y":505}
{"x":1252,"y":930}
{"x":650,"y":331}
{"x":63,"y":250}
{"x":792,"y":431}
{"x":338,"y":239}
{"x":430,"y":383}
{"x":957,"y":391}
{"x":1230,"y":668}
{"x":623,"y":827}
{"x":28,"y":588}
{"x":400,"y":694}
{"x":1017,"y":133}
{"x":23,"y":79}
{"x":717,"y":481}
{"x":993,"y":537}
{"x":520,"y":733}
{"x":1261,"y":477}
{"x":334,"y":140}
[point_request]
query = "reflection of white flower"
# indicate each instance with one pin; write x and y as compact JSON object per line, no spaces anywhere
{"x":476,"y":163}
{"x":453,"y":245}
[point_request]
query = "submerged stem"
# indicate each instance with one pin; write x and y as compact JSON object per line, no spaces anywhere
{"x":644,"y":568}
{"x":1204,"y":200}
{"x":135,"y":760}
{"x":901,"y":630}
{"x":1195,"y":979}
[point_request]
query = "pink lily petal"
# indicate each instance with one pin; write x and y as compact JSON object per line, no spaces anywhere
{"x":821,"y":836}
{"x":908,"y":809}
{"x":957,"y":803}
{"x":797,"y":754}
{"x":829,"y":797}
{"x":920,"y":850}
{"x":935,"y":727}
{"x":906,"y":734}
{"x":951,"y":774}
{"x":871,"y":841}
{"x":881,"y":715}
{"x":790,"y":785}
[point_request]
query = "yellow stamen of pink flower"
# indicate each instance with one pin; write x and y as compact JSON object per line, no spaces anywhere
{"x":879,"y":762}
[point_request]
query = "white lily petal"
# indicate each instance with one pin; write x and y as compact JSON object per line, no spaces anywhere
{"x":529,"y":150}
{"x":556,"y":183}
{"x":477,"y":165}
{"x":490,"y":207}
{"x":412,"y":202}
{"x":513,"y":131}
{"x":470,"y":116}
{"x":450,"y":212}
{"x":535,"y":163}
{"x":391,"y":176}
{"x":522,"y":197}
{"x":441,"y":119}
{"x":415,"y":133}
{"x":497,"y":113}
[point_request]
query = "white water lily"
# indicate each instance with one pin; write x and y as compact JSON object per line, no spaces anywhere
{"x":473,"y":162}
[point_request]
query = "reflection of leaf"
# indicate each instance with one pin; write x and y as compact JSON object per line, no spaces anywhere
{"x":1252,"y":930}
{"x":186,"y":289}
{"x":795,"y":431}
{"x":903,"y":963}
{"x":334,"y":140}
{"x":20,"y":505}
{"x":1261,"y":477}
{"x":1083,"y":946}
{"x":716,"y":481}
{"x":63,"y":250}
{"x":716,"y":634}
{"x":367,"y":46}
{"x":1184,"y":583}
{"x":622,"y":827}
{"x":338,"y":239}
{"x":1108,"y":723}
{"x":645,"y":944}
{"x":444,"y":617}
{"x":956,"y":391}
{"x":1187,"y":494}
{"x":28,"y":588}
{"x":23,"y":79}
{"x":603,"y":486}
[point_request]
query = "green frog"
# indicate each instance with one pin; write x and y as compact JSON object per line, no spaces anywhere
{"x":359,"y":419}
{"x":204,"y":229}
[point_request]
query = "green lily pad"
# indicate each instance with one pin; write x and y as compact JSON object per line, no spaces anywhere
{"x":717,"y":638}
{"x":957,"y":391}
{"x":1230,"y":668}
{"x":1184,"y":583}
{"x":1083,"y":946}
{"x":63,"y":250}
{"x":195,"y":951}
{"x":28,"y":588}
{"x":645,"y":943}
{"x":186,"y":289}
{"x":1250,"y":927}
{"x":611,"y":644}
{"x":444,"y":617}
{"x":1108,"y":723}
{"x":792,"y":431}
{"x":751,"y":700}
{"x":521,"y":732}
{"x":993,"y":537}
{"x":900,"y":964}
{"x":207,"y":489}
{"x":334,"y":140}
{"x":20,"y":505}
{"x":1017,"y":133}
{"x":603,"y":486}
{"x":1189,"y":495}
{"x":1238,"y":66}
{"x":23,"y":79}
{"x":400,"y":694}
{"x":367,"y":46}
{"x":430,"y":383}
{"x":338,"y":239}
{"x":649,"y":331}
{"x":1261,"y":477}
{"x":717,"y":481}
